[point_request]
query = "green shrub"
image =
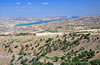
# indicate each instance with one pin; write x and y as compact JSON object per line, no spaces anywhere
{"x":16,"y":46}
{"x":25,"y":64}
{"x":75,"y":59}
{"x":38,"y":57}
{"x":63,"y":57}
{"x":32,"y":48}
{"x":95,"y":62}
{"x":10,"y":50}
{"x":22,"y":48}
{"x":20,"y":57}
{"x":11,"y":64}
{"x":12,"y":58}
{"x":30,"y":44}
{"x":84,"y":60}
{"x":97,"y":37}
{"x":34,"y":34}
{"x":69,"y":56}
{"x":98,"y":51}
{"x":49,"y":39}
{"x":56,"y":58}
{"x":27,"y":45}
{"x":64,"y":63}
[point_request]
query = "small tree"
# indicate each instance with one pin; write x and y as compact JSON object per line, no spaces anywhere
{"x":75,"y":59}
{"x":72,"y":37}
{"x":88,"y":54}
{"x":32,"y":48}
{"x":22,"y":48}
{"x":97,"y":52}
{"x":57,"y":36}
{"x":63,"y":57}
{"x":11,"y":64}
{"x":38,"y":57}
{"x":20,"y":57}
{"x":30,"y":44}
{"x":56,"y":58}
{"x":27,"y":45}
{"x":83,"y":54}
{"x":44,"y":60}
{"x":84,"y":60}
{"x":95,"y":62}
{"x":97,"y":37}
{"x":12,"y":58}
{"x":55,"y":48}
{"x":69,"y":57}
{"x":34,"y":34}
{"x":49,"y":63}
{"x":16,"y":46}
{"x":92,"y":53}
{"x":43,"y":54}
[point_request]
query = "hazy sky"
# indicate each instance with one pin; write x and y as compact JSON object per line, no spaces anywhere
{"x":31,"y":8}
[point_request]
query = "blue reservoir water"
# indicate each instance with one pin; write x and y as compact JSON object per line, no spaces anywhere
{"x":40,"y":22}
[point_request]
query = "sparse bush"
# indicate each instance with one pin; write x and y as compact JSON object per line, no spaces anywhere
{"x":84,"y":60}
{"x":25,"y":64}
{"x":22,"y":48}
{"x":64,"y":35}
{"x":65,"y":63}
{"x":95,"y":62}
{"x":20,"y":57}
{"x":6,"y":46}
{"x":32,"y":48}
{"x":12,"y":58}
{"x":38,"y":57}
{"x":16,"y":46}
{"x":88,"y":54}
{"x":27,"y":45}
{"x":75,"y":59}
{"x":34,"y":34}
{"x":72,"y":37}
{"x":10,"y":50}
{"x":69,"y":56}
{"x":24,"y":61}
{"x":24,"y":54}
{"x":56,"y":58}
{"x":97,"y":37}
{"x":30,"y":44}
{"x":55,"y":48}
{"x":83,"y":54}
{"x":11,"y":64}
{"x":43,"y":54}
{"x":29,"y":53}
{"x":57,"y":36}
{"x":97,"y":51}
{"x":92,"y":53}
{"x":63,"y":57}
{"x":49,"y":39}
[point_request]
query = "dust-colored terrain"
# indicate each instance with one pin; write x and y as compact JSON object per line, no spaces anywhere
{"x":40,"y":42}
{"x":49,"y":42}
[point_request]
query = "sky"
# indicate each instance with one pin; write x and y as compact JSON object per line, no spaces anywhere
{"x":35,"y":8}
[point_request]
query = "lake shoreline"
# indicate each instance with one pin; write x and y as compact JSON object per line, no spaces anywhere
{"x":40,"y":22}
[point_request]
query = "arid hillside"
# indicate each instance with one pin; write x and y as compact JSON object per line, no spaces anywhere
{"x":66,"y":42}
{"x":63,"y":26}
{"x":56,"y":49}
